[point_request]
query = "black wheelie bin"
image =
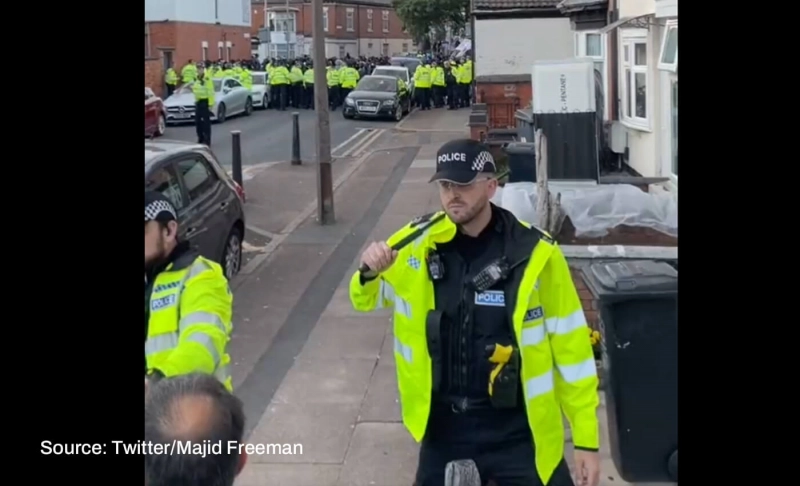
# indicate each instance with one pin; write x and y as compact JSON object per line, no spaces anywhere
{"x":638,"y":303}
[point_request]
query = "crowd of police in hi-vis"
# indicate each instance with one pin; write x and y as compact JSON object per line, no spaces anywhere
{"x":438,"y":82}
{"x":493,"y":353}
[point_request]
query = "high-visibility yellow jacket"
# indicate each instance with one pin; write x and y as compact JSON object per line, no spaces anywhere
{"x":190,"y":320}
{"x":558,"y":368}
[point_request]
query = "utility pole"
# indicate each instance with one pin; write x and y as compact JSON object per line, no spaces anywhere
{"x":325,"y":214}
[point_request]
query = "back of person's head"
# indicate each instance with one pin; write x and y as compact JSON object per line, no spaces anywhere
{"x":197,"y":411}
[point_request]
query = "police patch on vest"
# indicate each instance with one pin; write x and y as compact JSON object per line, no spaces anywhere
{"x":533,"y":314}
{"x":163,"y":287}
{"x":157,"y":304}
{"x":494,"y":298}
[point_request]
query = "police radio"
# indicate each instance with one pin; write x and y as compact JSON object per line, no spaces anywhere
{"x":493,"y":273}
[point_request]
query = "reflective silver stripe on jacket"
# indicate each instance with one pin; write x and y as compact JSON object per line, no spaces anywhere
{"x":169,"y":341}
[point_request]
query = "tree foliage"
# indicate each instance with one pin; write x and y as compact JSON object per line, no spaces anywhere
{"x":420,"y":16}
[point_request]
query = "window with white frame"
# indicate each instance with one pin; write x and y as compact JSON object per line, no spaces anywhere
{"x":592,"y":45}
{"x":674,"y":122}
{"x":350,"y":20}
{"x":369,"y":20}
{"x":668,"y":60}
{"x":385,"y":20}
{"x":634,"y":78}
{"x":325,"y":19}
{"x":282,"y":21}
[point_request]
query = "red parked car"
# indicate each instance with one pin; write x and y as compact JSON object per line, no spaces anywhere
{"x":155,"y":119}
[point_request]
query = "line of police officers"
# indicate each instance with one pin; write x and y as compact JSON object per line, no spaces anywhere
{"x":437,"y":84}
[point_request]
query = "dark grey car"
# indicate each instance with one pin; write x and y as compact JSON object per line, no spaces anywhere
{"x":209,"y":202}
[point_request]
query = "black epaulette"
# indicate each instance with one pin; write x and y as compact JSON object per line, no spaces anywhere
{"x":543,"y":235}
{"x":422,"y":219}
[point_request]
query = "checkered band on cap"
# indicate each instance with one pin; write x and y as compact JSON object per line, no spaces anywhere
{"x":152,"y":210}
{"x":483,"y":158}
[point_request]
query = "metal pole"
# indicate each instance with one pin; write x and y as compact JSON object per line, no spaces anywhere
{"x":236,"y":157}
{"x":296,"y":139}
{"x":325,"y":213}
{"x":269,"y":32}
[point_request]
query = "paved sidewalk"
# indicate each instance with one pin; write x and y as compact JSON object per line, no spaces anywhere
{"x":339,"y":399}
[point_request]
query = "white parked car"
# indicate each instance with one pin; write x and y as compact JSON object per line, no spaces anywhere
{"x":261,"y":89}
{"x":230,"y":98}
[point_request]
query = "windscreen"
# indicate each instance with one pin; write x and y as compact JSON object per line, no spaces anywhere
{"x":371,"y":83}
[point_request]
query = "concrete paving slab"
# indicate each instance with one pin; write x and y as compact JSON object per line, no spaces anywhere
{"x":382,"y":403}
{"x":346,"y":337}
{"x":288,"y":474}
{"x":323,"y":429}
{"x":340,"y":305}
{"x":327,"y":381}
{"x":380,"y":455}
{"x":387,"y":351}
{"x":440,"y":120}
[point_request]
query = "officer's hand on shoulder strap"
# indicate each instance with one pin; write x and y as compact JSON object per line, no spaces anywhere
{"x":378,"y":257}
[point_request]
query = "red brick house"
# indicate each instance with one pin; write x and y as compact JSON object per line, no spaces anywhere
{"x":179,"y":30}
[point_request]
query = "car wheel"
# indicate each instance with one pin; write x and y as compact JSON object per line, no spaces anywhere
{"x":221,"y":113}
{"x":161,"y":127}
{"x":265,"y":103}
{"x":398,"y":113}
{"x":248,"y":107}
{"x":345,"y":115}
{"x":232,"y":254}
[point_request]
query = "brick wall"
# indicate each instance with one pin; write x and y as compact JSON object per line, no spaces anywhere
{"x":588,"y":302}
{"x":154,"y":75}
{"x":502,"y":100}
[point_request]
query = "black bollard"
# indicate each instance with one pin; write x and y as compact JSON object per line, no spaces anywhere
{"x":296,"y":139}
{"x":236,"y":157}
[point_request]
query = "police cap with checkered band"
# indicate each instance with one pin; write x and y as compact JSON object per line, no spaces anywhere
{"x":158,"y":208}
{"x":462,"y":161}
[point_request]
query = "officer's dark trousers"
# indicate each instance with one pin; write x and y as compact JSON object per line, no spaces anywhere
{"x":464,"y":89}
{"x":297,"y":95}
{"x":333,"y":97}
{"x":282,"y":94}
{"x":438,"y":96}
{"x":343,"y":92}
{"x":202,"y":122}
{"x":308,"y":97}
{"x":500,"y":445}
{"x":170,"y":89}
{"x":452,"y":96}
{"x":424,"y":98}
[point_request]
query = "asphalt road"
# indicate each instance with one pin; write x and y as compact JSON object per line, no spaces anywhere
{"x":267,"y":135}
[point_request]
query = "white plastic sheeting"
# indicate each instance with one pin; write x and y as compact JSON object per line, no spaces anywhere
{"x":594,"y":209}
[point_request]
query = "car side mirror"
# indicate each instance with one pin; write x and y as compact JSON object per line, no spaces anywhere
{"x":226,"y":90}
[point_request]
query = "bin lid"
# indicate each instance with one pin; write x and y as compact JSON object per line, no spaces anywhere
{"x":525,"y":115}
{"x":634,"y":277}
{"x":520,"y":147}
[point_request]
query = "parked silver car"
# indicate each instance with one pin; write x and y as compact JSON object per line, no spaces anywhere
{"x":230,"y":98}
{"x":261,"y":89}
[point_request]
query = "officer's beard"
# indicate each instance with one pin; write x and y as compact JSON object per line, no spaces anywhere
{"x":159,"y":257}
{"x":464,"y":214}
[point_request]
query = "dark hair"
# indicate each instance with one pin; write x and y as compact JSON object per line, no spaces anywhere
{"x":163,"y":418}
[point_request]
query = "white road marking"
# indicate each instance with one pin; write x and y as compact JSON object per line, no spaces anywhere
{"x":362,"y":144}
{"x":355,"y":136}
